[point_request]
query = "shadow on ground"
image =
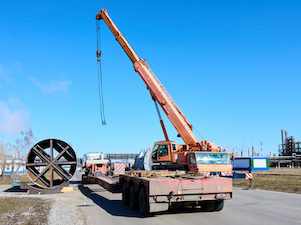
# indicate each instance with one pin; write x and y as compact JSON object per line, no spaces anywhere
{"x":116,"y":207}
{"x":15,"y":188}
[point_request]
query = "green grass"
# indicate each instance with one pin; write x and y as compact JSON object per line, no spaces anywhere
{"x":283,"y":183}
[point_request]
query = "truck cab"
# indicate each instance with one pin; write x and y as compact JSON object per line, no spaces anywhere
{"x":213,"y":162}
{"x":170,"y":155}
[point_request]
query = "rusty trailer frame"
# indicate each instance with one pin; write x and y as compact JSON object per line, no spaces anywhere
{"x":154,"y":191}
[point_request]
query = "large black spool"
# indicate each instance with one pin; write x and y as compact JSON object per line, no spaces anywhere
{"x":50,"y":163}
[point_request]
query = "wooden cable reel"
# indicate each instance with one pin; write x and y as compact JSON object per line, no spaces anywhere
{"x":50,"y":163}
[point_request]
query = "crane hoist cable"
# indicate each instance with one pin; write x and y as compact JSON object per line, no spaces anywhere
{"x":198,"y":133}
{"x":100,"y":88}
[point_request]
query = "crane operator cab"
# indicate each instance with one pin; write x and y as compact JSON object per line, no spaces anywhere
{"x":170,"y":155}
{"x":163,"y":151}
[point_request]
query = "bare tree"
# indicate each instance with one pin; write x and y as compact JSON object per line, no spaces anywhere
{"x":26,"y":143}
{"x":2,"y":159}
{"x":12,"y":148}
{"x":21,"y":147}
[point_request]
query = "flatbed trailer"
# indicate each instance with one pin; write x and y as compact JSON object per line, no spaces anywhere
{"x":155,"y":191}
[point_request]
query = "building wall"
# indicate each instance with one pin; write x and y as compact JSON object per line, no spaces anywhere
{"x":8,"y":166}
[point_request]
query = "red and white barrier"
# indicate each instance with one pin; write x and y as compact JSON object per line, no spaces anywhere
{"x":206,"y":174}
{"x":249,"y":176}
{"x":119,"y":168}
{"x":226,"y":174}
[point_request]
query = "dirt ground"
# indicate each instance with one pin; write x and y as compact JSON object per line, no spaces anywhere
{"x":14,"y":210}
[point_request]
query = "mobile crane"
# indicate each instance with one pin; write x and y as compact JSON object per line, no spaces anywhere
{"x":158,"y":190}
{"x":168,"y":154}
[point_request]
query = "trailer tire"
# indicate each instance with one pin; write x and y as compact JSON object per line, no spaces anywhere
{"x":133,"y":198}
{"x":143,"y":202}
{"x":125,"y":195}
{"x":219,"y":205}
{"x":208,"y":206}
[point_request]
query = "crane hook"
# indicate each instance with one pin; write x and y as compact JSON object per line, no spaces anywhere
{"x":98,"y":53}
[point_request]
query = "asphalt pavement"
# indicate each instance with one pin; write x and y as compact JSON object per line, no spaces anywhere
{"x":246,"y":207}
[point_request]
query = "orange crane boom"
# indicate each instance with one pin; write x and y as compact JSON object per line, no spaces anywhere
{"x":157,"y":90}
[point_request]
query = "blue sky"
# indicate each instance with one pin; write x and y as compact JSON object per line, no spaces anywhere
{"x":233,"y":67}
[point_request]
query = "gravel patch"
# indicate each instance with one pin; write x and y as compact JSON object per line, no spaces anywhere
{"x":65,"y":211}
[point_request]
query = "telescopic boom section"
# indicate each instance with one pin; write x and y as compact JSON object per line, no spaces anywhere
{"x":118,"y":35}
{"x":157,"y":91}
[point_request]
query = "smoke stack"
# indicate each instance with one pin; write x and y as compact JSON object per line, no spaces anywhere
{"x":285,"y":135}
{"x":261,"y":147}
{"x":282,"y":137}
{"x":253,"y":152}
{"x":242,"y":152}
{"x":249,"y":152}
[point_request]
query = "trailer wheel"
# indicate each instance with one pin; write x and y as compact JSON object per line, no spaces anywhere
{"x":133,"y":198}
{"x":143,"y":202}
{"x":208,"y":206}
{"x":219,"y":205}
{"x":125,"y":195}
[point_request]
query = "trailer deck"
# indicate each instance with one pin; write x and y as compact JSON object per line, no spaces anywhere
{"x":154,"y":191}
